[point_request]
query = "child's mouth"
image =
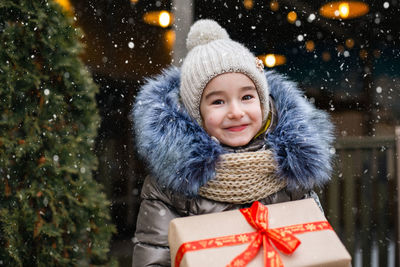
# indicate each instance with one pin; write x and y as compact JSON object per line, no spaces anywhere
{"x":237,"y":128}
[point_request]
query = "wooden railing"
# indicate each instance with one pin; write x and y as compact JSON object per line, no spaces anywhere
{"x":361,"y":202}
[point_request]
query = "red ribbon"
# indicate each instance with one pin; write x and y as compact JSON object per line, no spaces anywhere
{"x":257,"y":216}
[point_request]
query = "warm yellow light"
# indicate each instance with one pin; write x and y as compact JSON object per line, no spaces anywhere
{"x":344,"y":10}
{"x":326,"y":56}
{"x":350,"y":43}
{"x":164,"y":19}
{"x":248,"y":4}
{"x":158,"y":18}
{"x":291,"y":16}
{"x":135,"y":1}
{"x":310,"y":46}
{"x":272,"y":60}
{"x":66,"y":5}
{"x":170,"y":37}
{"x":274,"y":5}
{"x":363,"y":54}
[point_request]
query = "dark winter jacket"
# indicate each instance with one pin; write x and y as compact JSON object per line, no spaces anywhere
{"x":181,"y":158}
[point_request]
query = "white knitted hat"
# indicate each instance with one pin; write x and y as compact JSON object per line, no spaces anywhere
{"x":212,"y":52}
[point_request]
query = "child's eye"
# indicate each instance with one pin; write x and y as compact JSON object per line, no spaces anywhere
{"x":247,"y":97}
{"x":217,"y":102}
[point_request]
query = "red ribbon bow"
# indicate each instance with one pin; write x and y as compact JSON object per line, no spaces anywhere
{"x":257,"y":217}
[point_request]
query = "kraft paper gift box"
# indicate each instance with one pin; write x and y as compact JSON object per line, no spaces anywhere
{"x":317,"y":248}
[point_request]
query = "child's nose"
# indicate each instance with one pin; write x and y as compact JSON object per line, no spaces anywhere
{"x":235,"y":111}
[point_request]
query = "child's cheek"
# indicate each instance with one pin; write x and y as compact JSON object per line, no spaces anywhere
{"x":211,"y":122}
{"x":211,"y":125}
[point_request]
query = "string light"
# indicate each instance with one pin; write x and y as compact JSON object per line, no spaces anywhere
{"x":349,"y":43}
{"x":326,"y":56}
{"x":310,"y":46}
{"x":272,"y":60}
{"x":274,"y":5}
{"x":344,"y":9}
{"x":164,"y":19}
{"x":248,"y":4}
{"x":158,"y":18}
{"x":291,"y":16}
{"x":340,"y":48}
{"x":363,"y":54}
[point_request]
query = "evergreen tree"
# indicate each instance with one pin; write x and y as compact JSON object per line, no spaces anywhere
{"x":52,"y":211}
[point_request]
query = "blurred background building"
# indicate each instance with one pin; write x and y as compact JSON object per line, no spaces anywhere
{"x":344,"y":55}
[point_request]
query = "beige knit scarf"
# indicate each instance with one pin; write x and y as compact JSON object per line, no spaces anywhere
{"x":243,"y":178}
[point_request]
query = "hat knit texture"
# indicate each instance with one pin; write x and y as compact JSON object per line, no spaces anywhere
{"x":212,"y":52}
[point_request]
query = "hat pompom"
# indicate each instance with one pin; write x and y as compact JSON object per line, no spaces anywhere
{"x":204,"y":31}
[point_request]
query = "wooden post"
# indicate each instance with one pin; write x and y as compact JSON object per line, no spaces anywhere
{"x":183,"y":13}
{"x":397,"y":138}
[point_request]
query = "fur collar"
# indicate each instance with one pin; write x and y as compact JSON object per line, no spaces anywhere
{"x":181,"y":156}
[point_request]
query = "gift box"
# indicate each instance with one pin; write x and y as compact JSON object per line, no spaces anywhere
{"x":294,"y":233}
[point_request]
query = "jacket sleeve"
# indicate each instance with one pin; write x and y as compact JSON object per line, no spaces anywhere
{"x":151,"y":236}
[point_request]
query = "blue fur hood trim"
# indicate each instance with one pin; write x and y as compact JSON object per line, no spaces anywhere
{"x":181,"y":156}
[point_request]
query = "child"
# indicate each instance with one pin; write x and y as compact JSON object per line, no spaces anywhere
{"x":220,"y":134}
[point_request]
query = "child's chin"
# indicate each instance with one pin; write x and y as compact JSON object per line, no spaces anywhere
{"x":236,"y":143}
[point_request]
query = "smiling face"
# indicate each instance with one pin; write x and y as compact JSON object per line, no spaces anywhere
{"x":230,"y":109}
